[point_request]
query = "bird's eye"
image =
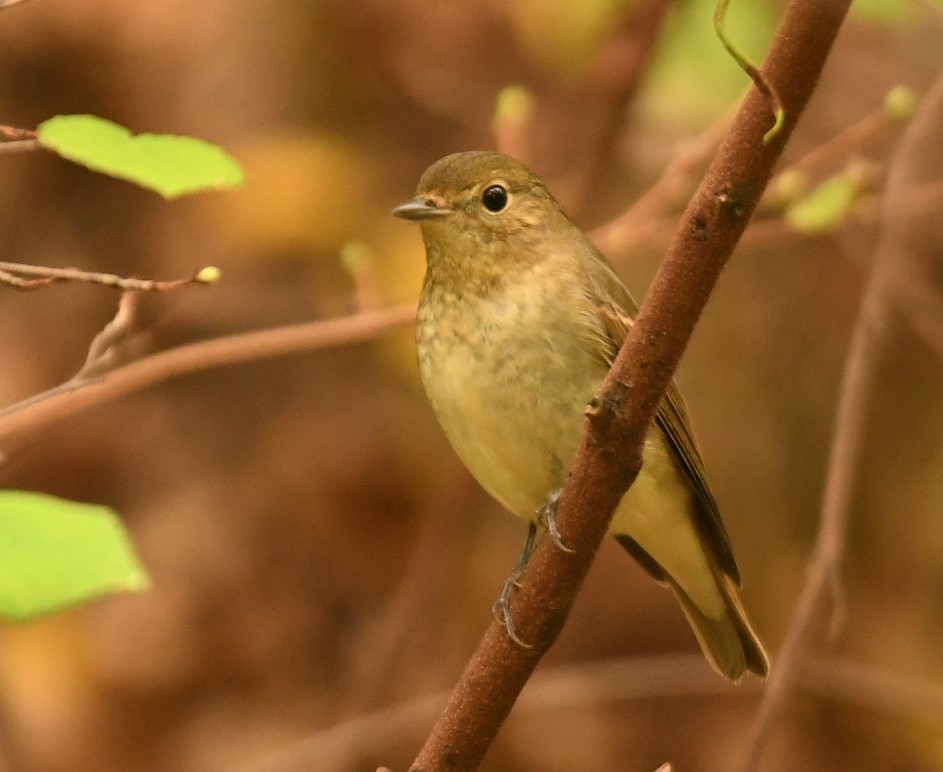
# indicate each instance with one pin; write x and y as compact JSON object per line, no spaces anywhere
{"x":495,"y":198}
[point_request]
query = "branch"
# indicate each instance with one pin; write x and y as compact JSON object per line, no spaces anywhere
{"x":868,"y":342}
{"x":196,"y":357}
{"x":43,"y":276}
{"x":678,"y":179}
{"x":609,"y":454}
{"x":19,"y":145}
{"x":12,"y":139}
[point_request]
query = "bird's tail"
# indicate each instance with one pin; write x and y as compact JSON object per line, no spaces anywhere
{"x":728,"y":642}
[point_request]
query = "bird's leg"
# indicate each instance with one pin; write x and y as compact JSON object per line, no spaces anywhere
{"x":501,"y":610}
{"x":547,"y":517}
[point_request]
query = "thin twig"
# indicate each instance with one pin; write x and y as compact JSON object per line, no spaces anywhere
{"x":101,"y":350}
{"x":100,"y":357}
{"x":19,"y":145}
{"x":18,"y":282}
{"x":867,"y":346}
{"x":846,"y":141}
{"x":196,"y":357}
{"x":675,"y":184}
{"x":14,"y":133}
{"x":646,"y":217}
{"x":609,"y":454}
{"x":10,"y":273}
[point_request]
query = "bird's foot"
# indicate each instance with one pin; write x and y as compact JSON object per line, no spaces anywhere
{"x":501,"y":610}
{"x":547,"y":517}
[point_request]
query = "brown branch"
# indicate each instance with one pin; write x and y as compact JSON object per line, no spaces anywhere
{"x":196,"y":357}
{"x":20,"y":145}
{"x":609,"y":454}
{"x":100,"y":357}
{"x":16,"y":134}
{"x":648,"y":221}
{"x":11,"y":273}
{"x":868,"y":342}
{"x":676,"y":182}
{"x":12,"y":139}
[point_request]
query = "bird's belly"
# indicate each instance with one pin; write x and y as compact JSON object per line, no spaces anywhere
{"x":511,"y":405}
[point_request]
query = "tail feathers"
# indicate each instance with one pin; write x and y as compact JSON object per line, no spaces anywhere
{"x":729,"y":642}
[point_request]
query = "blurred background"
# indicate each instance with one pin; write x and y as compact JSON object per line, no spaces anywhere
{"x":317,"y":552}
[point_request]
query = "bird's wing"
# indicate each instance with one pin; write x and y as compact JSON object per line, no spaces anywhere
{"x":615,"y":310}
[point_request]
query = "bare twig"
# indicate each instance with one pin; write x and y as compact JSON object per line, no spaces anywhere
{"x":100,"y":357}
{"x":609,"y":454}
{"x":195,"y":357}
{"x":846,"y":141}
{"x":18,"y":282}
{"x":20,"y":145}
{"x":10,"y":273}
{"x":647,"y":222}
{"x":867,"y":345}
{"x":675,"y":184}
{"x":101,"y":350}
{"x":13,"y":133}
{"x":12,"y":139}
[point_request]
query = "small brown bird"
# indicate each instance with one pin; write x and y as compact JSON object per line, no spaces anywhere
{"x":519,"y":319}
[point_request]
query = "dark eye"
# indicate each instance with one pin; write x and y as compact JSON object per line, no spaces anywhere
{"x":495,"y":198}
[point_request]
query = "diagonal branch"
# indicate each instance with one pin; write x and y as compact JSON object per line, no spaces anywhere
{"x":609,"y":454}
{"x":196,"y":357}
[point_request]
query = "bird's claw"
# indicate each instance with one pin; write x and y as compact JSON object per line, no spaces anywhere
{"x":501,"y":610}
{"x":547,"y":517}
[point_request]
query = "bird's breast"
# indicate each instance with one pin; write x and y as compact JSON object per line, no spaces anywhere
{"x":508,"y":375}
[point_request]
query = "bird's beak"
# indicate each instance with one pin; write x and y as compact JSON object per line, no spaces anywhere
{"x":421,"y":209}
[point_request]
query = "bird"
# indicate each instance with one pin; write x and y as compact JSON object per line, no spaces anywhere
{"x":520,"y":317}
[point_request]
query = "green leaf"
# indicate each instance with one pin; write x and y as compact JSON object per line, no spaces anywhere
{"x":168,"y":164}
{"x":826,"y":206}
{"x":56,"y":553}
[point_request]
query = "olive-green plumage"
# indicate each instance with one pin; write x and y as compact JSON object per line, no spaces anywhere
{"x":519,"y":318}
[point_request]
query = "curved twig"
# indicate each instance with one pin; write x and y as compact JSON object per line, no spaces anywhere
{"x":195,"y":357}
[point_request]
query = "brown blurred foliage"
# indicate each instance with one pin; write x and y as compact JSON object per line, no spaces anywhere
{"x":317,"y":552}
